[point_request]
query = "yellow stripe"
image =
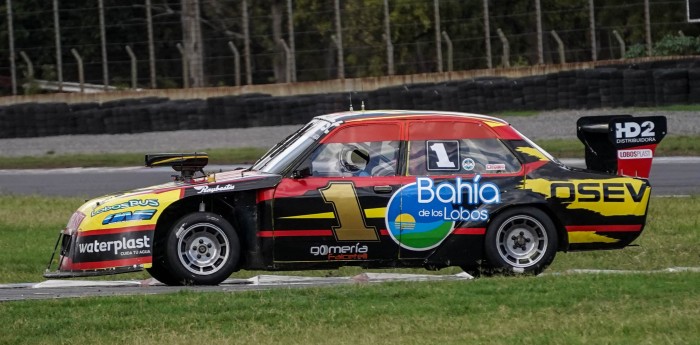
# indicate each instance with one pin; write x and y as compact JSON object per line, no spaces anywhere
{"x":177,"y":158}
{"x":532,"y":152}
{"x":589,"y":237}
{"x":369,"y":213}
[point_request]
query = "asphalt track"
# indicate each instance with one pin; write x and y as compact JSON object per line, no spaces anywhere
{"x":669,"y":176}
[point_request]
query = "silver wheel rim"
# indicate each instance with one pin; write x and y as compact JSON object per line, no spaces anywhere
{"x":521,"y":241}
{"x":203,"y":248}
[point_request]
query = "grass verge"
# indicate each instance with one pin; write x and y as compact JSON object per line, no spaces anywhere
{"x":566,"y":309}
{"x":50,"y":161}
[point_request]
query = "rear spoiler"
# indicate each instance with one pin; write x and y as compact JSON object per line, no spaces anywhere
{"x":621,"y":144}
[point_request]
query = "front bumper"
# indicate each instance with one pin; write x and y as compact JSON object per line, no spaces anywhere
{"x":67,"y":261}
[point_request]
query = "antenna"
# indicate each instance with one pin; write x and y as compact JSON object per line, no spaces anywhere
{"x":351,"y":102}
{"x":363,"y":105}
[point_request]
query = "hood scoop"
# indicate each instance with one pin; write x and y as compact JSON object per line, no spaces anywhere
{"x":187,"y":164}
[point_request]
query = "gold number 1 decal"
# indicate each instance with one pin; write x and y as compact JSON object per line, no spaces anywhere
{"x":352,"y":225}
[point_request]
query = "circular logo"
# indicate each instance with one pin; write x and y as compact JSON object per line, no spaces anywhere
{"x":468,"y":164}
{"x":413,"y":225}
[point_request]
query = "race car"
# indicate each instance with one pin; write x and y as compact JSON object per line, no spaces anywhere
{"x":375,"y":189}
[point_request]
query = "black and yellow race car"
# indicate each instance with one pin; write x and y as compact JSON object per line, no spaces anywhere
{"x":375,"y":189}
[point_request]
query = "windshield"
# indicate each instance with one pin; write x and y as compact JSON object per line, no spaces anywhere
{"x":282,"y":154}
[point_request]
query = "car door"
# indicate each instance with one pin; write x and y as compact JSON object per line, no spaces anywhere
{"x":333,"y":206}
{"x":457,"y":171}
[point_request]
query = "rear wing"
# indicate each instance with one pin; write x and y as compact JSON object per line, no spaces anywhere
{"x":621,"y":144}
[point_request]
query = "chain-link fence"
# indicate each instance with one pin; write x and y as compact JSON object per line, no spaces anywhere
{"x":93,"y":44}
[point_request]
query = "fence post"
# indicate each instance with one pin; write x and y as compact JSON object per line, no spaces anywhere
{"x":438,"y":43}
{"x":11,"y":43}
{"x":57,"y":36}
{"x":647,"y":26}
{"x":560,"y":45}
{"x":292,"y":47}
{"x":338,"y":39}
{"x":134,"y":72}
{"x":81,"y":71}
{"x":540,"y":49}
{"x":287,"y":59}
{"x":103,"y":43}
{"x":621,"y":42}
{"x":448,"y":41}
{"x":387,"y":38}
{"x":246,"y":43}
{"x":151,"y":45}
{"x":591,"y":18}
{"x":185,"y":63}
{"x":487,"y":34}
{"x":236,"y":62}
{"x":30,"y":65}
{"x":505,"y":59}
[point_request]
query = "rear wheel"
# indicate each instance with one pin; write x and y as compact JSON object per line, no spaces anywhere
{"x":521,"y":240}
{"x":202,"y":249}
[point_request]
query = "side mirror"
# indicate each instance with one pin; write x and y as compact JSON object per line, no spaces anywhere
{"x":301,"y":173}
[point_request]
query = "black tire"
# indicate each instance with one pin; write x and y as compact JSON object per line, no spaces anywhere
{"x":521,"y":240}
{"x":201,"y":249}
{"x":162,"y":274}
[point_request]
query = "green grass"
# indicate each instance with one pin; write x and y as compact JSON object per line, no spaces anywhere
{"x":48,"y":161}
{"x":566,"y":309}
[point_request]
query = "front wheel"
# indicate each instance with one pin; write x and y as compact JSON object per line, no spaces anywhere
{"x":202,"y":249}
{"x":521,"y":240}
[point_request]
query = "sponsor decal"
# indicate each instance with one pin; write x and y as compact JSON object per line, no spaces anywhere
{"x":127,"y":204}
{"x":635,"y":154}
{"x":468,"y":164}
{"x":422,"y":214}
{"x":129,"y":216}
{"x":493,"y":167}
{"x":442,"y":155}
{"x":215,"y":189}
{"x":119,"y":247}
{"x":635,"y":133}
{"x":356,"y":252}
{"x":610,"y":197}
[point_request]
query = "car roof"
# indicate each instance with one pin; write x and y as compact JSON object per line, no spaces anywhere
{"x":404,"y":114}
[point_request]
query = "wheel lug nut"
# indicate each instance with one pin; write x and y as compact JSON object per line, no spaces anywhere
{"x":209,"y":245}
{"x":208,"y":255}
{"x":199,"y":256}
{"x":201,"y":241}
{"x":194,"y":247}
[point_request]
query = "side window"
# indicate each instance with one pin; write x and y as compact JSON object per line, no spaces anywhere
{"x":443,"y":148}
{"x":355,"y":159}
{"x":357,"y":149}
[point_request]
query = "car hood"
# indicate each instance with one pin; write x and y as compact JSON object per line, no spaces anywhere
{"x":166,"y":193}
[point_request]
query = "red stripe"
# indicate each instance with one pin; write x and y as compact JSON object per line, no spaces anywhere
{"x":604,"y":228}
{"x":295,"y":233}
{"x":469,"y":231}
{"x":108,"y":264}
{"x":118,"y":230}
{"x":302,"y":233}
